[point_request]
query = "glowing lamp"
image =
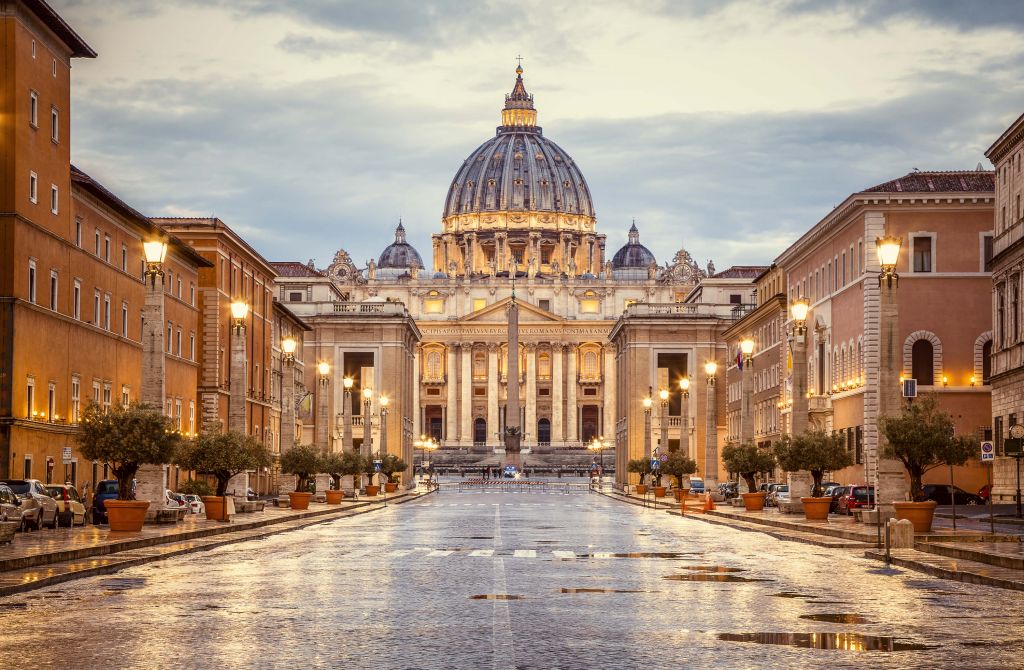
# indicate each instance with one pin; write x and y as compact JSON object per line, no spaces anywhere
{"x":155,"y":251}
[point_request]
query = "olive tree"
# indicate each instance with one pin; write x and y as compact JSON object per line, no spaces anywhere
{"x":747,"y":460}
{"x":816,"y":451}
{"x":303,"y":461}
{"x":223,"y":455}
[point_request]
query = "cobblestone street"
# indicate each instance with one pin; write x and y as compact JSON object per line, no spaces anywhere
{"x":513,"y":580}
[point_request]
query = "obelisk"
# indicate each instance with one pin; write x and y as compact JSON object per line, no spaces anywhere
{"x":513,"y":428}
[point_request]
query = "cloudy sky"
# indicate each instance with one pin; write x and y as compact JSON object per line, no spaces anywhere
{"x":727,"y":126}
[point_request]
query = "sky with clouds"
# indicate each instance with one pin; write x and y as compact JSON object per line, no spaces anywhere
{"x":729,"y":127}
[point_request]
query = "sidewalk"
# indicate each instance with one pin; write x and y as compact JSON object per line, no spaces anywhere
{"x":969,"y":554}
{"x":46,"y":557}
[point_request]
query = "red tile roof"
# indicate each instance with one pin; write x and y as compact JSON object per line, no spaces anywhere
{"x":741,"y":272}
{"x":973,"y":181}
{"x":294,"y":269}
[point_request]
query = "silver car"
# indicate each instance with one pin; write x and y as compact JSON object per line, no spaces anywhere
{"x":38,"y":509}
{"x":10,"y":505}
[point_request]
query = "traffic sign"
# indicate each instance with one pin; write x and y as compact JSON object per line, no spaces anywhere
{"x":664,"y":458}
{"x":655,"y":464}
{"x":988,"y":451}
{"x":66,"y":456}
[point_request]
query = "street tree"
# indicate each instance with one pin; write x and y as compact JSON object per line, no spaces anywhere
{"x":679,"y":466}
{"x":303,"y":461}
{"x":922,"y":437}
{"x":747,"y":460}
{"x":127,"y":438}
{"x":340,"y":464}
{"x":816,"y":451}
{"x":222,"y":455}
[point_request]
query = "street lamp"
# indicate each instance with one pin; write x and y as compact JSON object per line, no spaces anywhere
{"x":798,"y":416}
{"x":155,"y":252}
{"x":889,"y":474}
{"x":288,"y":347}
{"x":663,"y":440}
{"x":888,"y":249}
{"x":367,"y":434}
{"x":383,"y":400}
{"x":647,"y":403}
{"x":346,"y":431}
{"x":747,"y":391}
{"x":323,"y":371}
{"x":239,"y":310}
{"x":711,"y":438}
{"x":684,"y":411}
{"x":598,"y":444}
{"x":153,"y":478}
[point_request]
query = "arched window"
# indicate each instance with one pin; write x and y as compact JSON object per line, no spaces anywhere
{"x":986,"y":362}
{"x":434,"y":365}
{"x":590,"y":370}
{"x":923,"y":367}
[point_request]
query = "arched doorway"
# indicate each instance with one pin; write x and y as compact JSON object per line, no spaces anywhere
{"x":480,"y":431}
{"x":544,"y":431}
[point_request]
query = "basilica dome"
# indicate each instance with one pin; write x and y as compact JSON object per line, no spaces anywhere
{"x":519,"y":170}
{"x":399,"y":255}
{"x":633,"y":255}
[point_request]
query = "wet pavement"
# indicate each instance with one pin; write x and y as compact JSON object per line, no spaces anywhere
{"x":514,"y":580}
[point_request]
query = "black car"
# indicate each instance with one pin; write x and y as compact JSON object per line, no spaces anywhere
{"x":941,"y":494}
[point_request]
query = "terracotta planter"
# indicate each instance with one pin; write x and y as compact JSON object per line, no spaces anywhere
{"x":919,"y":513}
{"x":390,"y":488}
{"x":334,"y":496}
{"x":126,"y":515}
{"x":659,"y":491}
{"x":214,"y":507}
{"x":816,"y":509}
{"x":641,"y":489}
{"x":299,"y":500}
{"x":753,"y":502}
{"x":372,"y":490}
{"x":681,"y":494}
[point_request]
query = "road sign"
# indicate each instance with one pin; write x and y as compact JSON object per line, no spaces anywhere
{"x":664,"y":458}
{"x":988,"y":451}
{"x":909,"y":388}
{"x":655,"y":464}
{"x":66,"y":456}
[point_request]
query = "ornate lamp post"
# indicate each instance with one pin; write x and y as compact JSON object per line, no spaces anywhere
{"x":152,"y":479}
{"x":237,"y":383}
{"x":747,"y":391}
{"x":888,"y":475}
{"x":346,"y":431}
{"x":798,"y":416}
{"x":323,"y":375}
{"x":663,"y":439}
{"x":647,"y":403}
{"x":289,"y":345}
{"x":383,"y":400}
{"x":367,"y":423}
{"x":711,"y":439}
{"x":684,"y":424}
{"x":598,"y":444}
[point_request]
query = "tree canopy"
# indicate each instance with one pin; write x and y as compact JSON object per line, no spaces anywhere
{"x":816,"y":451}
{"x":922,"y":437}
{"x":223,"y":455}
{"x":127,"y":438}
{"x":303,"y":461}
{"x":747,"y":460}
{"x":679,"y":466}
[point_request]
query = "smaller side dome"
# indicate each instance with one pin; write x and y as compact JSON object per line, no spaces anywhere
{"x":633,"y":256}
{"x":399,"y":255}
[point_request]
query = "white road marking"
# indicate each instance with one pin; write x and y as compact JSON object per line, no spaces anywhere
{"x":400,"y":552}
{"x":503,"y":651}
{"x":525,"y":553}
{"x":602,"y":554}
{"x":564,"y":554}
{"x":482,"y":552}
{"x":439,"y":552}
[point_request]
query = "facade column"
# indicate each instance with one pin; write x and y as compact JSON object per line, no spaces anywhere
{"x":466,"y":405}
{"x":152,"y":479}
{"x":747,"y":400}
{"x":451,"y":431}
{"x":684,"y":425}
{"x":557,"y":408}
{"x":530,"y":428}
{"x":799,"y":482}
{"x":493,"y":401}
{"x":286,"y":483}
{"x":571,"y":418}
{"x":608,"y":381}
{"x":323,"y":418}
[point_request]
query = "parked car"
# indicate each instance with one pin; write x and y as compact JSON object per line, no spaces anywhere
{"x":856,"y":496}
{"x":38,"y":508}
{"x":729,"y":489}
{"x":195,"y":503}
{"x":769,"y":498}
{"x":941,"y":494}
{"x":697,"y":486}
{"x":105,"y":490}
{"x":779,"y":494}
{"x":10,"y":505}
{"x":834,"y":492}
{"x":67,"y":499}
{"x":174,"y":500}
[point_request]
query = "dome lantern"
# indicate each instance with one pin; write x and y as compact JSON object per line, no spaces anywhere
{"x":519,"y":113}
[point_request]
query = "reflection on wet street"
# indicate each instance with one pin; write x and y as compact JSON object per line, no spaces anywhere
{"x":513,"y":580}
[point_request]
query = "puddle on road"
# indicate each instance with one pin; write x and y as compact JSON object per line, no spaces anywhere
{"x":712,"y":568}
{"x":12,"y":606}
{"x":497,"y":596}
{"x":584,"y":590}
{"x":836,"y":618}
{"x":841,"y":641}
{"x":708,"y":577}
{"x":123,"y":583}
{"x":792,"y":594}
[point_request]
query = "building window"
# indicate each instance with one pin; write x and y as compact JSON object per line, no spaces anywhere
{"x":479,"y":365}
{"x":28,"y":467}
{"x":77,"y":307}
{"x":124,"y":258}
{"x":33,"y":49}
{"x":544,"y":366}
{"x":923,"y":369}
{"x":96,"y":309}
{"x":191,"y":417}
{"x":479,"y":304}
{"x":124,"y":319}
{"x":179,"y":343}
{"x":78,"y":233}
{"x":126,"y":396}
{"x":54,"y":199}
{"x":986,"y":252}
{"x":430,"y":305}
{"x":922,"y":250}
{"x":31,"y":281}
{"x":590,"y":365}
{"x":544,"y":305}
{"x":106,"y":398}
{"x":735,"y":299}
{"x":33,"y":187}
{"x":191,"y":294}
{"x":76,"y":399}
{"x":170,"y":337}
{"x":97,"y":240}
{"x":54,"y":124}
{"x":96,"y":392}
{"x":1001,"y":316}
{"x":179,"y":287}
{"x":30,"y":398}
{"x":54,"y":67}
{"x":191,"y":346}
{"x":433,"y":365}
{"x":106,"y":248}
{"x":986,"y":362}
{"x":177,"y":413}
{"x":106,"y":312}
{"x":53,"y":290}
{"x":33,"y":109}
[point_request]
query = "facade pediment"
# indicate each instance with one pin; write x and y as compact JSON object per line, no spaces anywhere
{"x":497,"y":313}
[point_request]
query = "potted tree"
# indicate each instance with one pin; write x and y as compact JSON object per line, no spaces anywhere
{"x":303,"y":461}
{"x":922,"y":437}
{"x":127,"y":438}
{"x":369,"y":468}
{"x":818,"y":452}
{"x":680,"y":467}
{"x":390,"y":465}
{"x":747,"y":460}
{"x":222,"y":456}
{"x":642,"y":467}
{"x":337,"y":465}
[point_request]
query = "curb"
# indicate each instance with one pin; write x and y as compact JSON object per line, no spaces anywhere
{"x":953,"y":575}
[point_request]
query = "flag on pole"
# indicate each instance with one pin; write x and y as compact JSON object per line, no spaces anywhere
{"x":739,"y":359}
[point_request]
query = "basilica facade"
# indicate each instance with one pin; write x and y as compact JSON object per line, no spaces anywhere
{"x":519,"y":217}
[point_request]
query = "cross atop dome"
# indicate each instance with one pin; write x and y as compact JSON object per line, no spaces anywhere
{"x":519,"y":112}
